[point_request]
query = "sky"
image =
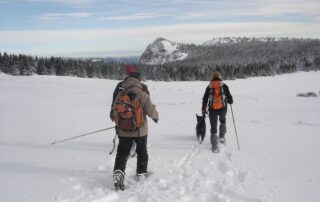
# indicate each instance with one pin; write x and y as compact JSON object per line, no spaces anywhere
{"x":112,"y":28}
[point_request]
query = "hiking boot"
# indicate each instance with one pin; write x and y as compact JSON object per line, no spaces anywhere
{"x":143,"y":176}
{"x":118,"y":178}
{"x":200,"y":139}
{"x":222,"y":140}
{"x":215,"y":149}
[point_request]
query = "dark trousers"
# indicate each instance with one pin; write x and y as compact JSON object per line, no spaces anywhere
{"x":123,"y":151}
{"x":214,"y":115}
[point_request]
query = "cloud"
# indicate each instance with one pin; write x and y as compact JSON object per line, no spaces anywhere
{"x":62,"y":16}
{"x":134,"y":16}
{"x":76,"y":3}
{"x":189,"y":32}
{"x":98,"y":16}
{"x":283,"y":7}
{"x":173,"y":11}
{"x":232,"y":9}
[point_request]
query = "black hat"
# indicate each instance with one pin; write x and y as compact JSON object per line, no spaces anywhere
{"x":136,"y":75}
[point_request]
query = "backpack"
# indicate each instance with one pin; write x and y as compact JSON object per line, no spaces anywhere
{"x":128,"y":112}
{"x":217,"y":96}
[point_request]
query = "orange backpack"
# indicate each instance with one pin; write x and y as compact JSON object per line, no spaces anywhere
{"x":128,"y":112}
{"x":217,"y":95}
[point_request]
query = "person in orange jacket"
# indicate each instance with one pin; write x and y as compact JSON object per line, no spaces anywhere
{"x":215,"y":100}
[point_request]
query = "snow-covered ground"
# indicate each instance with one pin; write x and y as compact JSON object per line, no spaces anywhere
{"x":278,"y":132}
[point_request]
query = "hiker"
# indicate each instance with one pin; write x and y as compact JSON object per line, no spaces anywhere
{"x":129,"y":69}
{"x":215,"y":99}
{"x":131,"y":100}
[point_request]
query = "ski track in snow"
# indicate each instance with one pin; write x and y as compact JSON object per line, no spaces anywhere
{"x":222,"y":179}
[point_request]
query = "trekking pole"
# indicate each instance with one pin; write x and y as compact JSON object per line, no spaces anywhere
{"x":235,"y":129}
{"x":59,"y":141}
{"x":114,"y":144}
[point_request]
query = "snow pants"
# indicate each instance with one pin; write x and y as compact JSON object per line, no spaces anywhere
{"x":123,"y":152}
{"x":214,"y":115}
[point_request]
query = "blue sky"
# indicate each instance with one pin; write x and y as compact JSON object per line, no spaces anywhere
{"x":85,"y":28}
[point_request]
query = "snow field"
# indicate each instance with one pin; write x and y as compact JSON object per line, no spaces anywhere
{"x":278,"y":133}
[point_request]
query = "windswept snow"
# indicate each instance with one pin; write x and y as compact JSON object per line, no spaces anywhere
{"x":278,"y":133}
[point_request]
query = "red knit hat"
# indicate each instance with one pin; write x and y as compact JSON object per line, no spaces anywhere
{"x":130,"y":69}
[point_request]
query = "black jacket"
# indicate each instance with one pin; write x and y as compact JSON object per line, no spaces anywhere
{"x":206,"y":96}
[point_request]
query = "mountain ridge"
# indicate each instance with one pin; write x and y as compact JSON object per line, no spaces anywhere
{"x":162,"y":50}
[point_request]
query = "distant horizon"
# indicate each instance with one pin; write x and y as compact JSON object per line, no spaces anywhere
{"x":102,"y":55}
{"x":75,"y":57}
{"x":96,"y":28}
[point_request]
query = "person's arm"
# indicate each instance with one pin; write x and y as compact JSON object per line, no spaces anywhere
{"x":115,"y":93}
{"x":150,"y":108}
{"x":228,"y":95}
{"x":145,"y":88}
{"x":205,"y":99}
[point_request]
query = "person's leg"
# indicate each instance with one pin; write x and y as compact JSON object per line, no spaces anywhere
{"x":122,"y":153}
{"x":222,"y":120}
{"x":213,"y":115}
{"x":142,"y":154}
{"x":120,"y":163}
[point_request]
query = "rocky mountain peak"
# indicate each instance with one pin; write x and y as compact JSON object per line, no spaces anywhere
{"x":161,"y":51}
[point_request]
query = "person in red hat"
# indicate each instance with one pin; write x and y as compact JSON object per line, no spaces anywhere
{"x":132,"y":133}
{"x":130,"y":71}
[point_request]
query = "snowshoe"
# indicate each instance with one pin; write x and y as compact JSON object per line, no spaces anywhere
{"x":143,"y":176}
{"x":118,"y":178}
{"x":222,"y":140}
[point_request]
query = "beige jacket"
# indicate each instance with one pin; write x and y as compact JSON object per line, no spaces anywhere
{"x":134,"y":85}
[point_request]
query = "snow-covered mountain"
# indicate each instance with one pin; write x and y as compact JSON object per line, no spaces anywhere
{"x":233,"y":40}
{"x":235,"y":52}
{"x":162,"y":51}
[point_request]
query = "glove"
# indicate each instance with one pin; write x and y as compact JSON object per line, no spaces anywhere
{"x":111,"y":115}
{"x":230,"y":100}
{"x":155,"y":120}
{"x":204,"y":112}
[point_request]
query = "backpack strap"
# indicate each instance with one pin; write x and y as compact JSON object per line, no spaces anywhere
{"x":210,"y":96}
{"x":223,"y":95}
{"x":120,"y":89}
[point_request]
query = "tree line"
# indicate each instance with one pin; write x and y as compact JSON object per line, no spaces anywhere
{"x":243,"y":59}
{"x":246,"y":58}
{"x":25,"y":65}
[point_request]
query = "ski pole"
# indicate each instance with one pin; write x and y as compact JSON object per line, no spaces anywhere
{"x":114,"y":144}
{"x":59,"y":141}
{"x":235,"y":129}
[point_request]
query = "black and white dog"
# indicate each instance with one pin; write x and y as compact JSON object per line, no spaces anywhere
{"x":201,"y":128}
